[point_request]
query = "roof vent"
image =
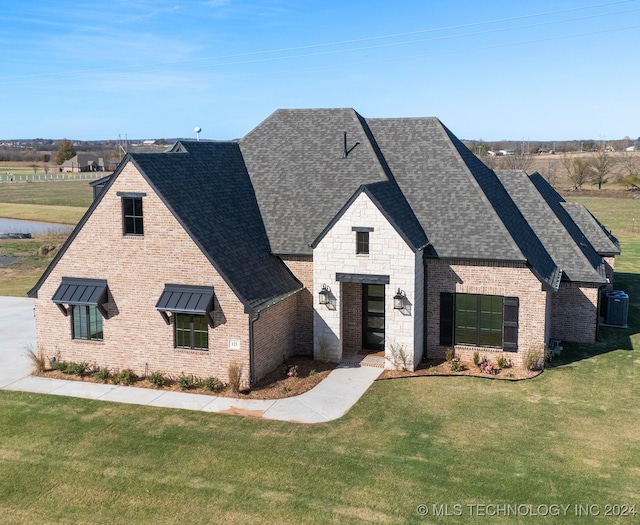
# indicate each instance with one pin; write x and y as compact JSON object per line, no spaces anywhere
{"x":348,"y":150}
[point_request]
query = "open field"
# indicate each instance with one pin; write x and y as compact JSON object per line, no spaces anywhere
{"x":569,"y":437}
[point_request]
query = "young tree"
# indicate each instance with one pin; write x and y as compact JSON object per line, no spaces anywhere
{"x":518,"y":161}
{"x":65,"y":151}
{"x":630,"y":161}
{"x":550,"y":172}
{"x":601,"y":166}
{"x":578,"y":170}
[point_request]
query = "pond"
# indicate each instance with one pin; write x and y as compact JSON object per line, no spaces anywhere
{"x":19,"y":226}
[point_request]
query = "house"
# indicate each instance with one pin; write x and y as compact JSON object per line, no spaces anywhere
{"x":82,"y":162}
{"x":320,"y":233}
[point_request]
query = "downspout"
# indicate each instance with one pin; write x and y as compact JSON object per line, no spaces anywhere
{"x":251,"y":349}
{"x":425,"y":309}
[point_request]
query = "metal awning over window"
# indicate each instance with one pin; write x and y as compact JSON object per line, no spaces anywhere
{"x":81,"y":292}
{"x":186,"y":299}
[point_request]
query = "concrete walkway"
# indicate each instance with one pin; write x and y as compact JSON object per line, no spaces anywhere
{"x":329,"y":400}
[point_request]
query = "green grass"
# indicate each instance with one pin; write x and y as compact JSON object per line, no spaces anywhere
{"x":570,"y":436}
{"x":59,"y":193}
{"x":41,"y":213}
{"x":27,"y":266}
{"x":61,"y":202}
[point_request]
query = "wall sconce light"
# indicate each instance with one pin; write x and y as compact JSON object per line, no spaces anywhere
{"x":325,"y":294}
{"x":399,"y":300}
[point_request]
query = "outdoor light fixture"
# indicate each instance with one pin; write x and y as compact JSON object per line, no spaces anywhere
{"x":325,"y":294}
{"x":399,"y":300}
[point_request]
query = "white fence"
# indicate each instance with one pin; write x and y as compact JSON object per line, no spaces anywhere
{"x":9,"y":176}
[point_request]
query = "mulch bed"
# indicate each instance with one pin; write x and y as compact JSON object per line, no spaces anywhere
{"x":440,"y":367}
{"x":275,"y":385}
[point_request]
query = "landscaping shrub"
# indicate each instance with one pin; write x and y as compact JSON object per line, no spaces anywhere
{"x":71,"y":368}
{"x":456,"y":365}
{"x":126,"y":377}
{"x":476,"y":358}
{"x":185,"y":382}
{"x":398,"y":356}
{"x":488,"y":367}
{"x":212,"y":384}
{"x":235,"y":376}
{"x":449,"y":354}
{"x":156,"y":379}
{"x":102,"y":375}
{"x":37,"y":359}
{"x":293,"y":371}
{"x":501,"y":361}
{"x":533,"y":359}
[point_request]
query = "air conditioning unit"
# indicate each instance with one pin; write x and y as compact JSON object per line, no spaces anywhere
{"x":617,"y":309}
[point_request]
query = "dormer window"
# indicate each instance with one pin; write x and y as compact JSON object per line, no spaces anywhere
{"x":132,"y":218}
{"x":362,"y":239}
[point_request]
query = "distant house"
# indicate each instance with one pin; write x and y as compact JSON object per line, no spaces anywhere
{"x":323,"y":233}
{"x":83,"y":162}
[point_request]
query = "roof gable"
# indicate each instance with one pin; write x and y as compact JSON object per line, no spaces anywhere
{"x":602,"y":240}
{"x":207,"y":189}
{"x":388,"y":198}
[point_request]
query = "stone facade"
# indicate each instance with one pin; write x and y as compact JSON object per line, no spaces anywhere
{"x":489,"y":278}
{"x":389,"y":255}
{"x":136,"y":269}
{"x":574,"y":312}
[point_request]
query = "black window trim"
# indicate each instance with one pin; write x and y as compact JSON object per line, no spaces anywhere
{"x":87,"y":327}
{"x":192,"y":332}
{"x":362,"y":243}
{"x":510,"y":321}
{"x":132,"y":196}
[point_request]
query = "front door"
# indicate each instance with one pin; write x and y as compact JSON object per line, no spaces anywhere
{"x":373,"y":316}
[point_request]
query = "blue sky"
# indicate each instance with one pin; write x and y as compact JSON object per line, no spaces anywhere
{"x":492,"y":70}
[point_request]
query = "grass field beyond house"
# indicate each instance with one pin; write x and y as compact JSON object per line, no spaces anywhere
{"x":570,"y":438}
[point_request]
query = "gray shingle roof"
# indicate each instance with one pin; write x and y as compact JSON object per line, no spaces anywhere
{"x":602,"y":240}
{"x":464,"y":210}
{"x":301,"y":177}
{"x":551,"y":224}
{"x":208,"y":190}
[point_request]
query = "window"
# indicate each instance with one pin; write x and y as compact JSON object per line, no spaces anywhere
{"x":362,"y":242}
{"x":132,"y":216}
{"x":479,"y":320}
{"x":86,"y":323}
{"x":191,"y":331}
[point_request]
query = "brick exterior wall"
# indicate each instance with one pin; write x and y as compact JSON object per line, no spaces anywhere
{"x":490,"y":278}
{"x":136,"y":269}
{"x":388,"y":255}
{"x":274,"y":336}
{"x":302,"y":267}
{"x":352,"y":317}
{"x":609,"y":266}
{"x":574,"y":313}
